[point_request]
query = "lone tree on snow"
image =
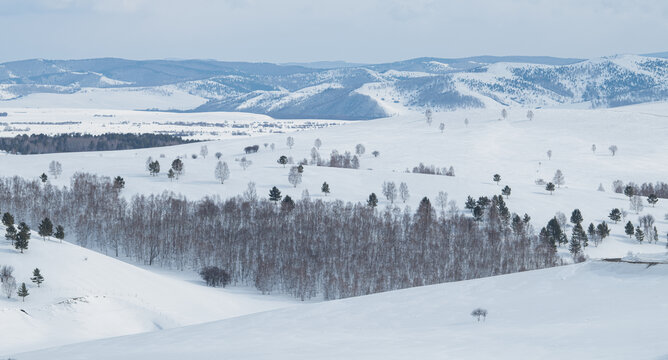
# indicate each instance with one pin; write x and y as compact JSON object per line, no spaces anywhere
{"x":441,"y":127}
{"x":37,"y":277}
{"x":177,"y":166}
{"x":613,"y":149}
{"x":652,"y":199}
{"x":204,"y":151}
{"x":615,"y":215}
{"x":549,"y":154}
{"x":558,"y":178}
{"x":360,"y":149}
{"x":428,"y":116}
{"x":550,"y":187}
{"x":504,"y":114}
{"x":629,"y":229}
{"x":317,"y":143}
{"x":222,"y":171}
{"x":215,"y":276}
{"x":496,"y":178}
{"x":530,"y":115}
{"x":44,"y":178}
{"x":23,"y":291}
{"x":9,"y":286}
{"x":290,"y":141}
{"x":282,"y":160}
{"x":479,"y":313}
{"x":295,"y":177}
{"x":325,"y":188}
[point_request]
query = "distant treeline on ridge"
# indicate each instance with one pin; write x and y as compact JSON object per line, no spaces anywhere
{"x":75,"y":142}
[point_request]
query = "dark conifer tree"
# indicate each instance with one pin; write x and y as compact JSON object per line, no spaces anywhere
{"x":43,"y":177}
{"x":496,"y":178}
{"x":506,"y":191}
{"x":23,"y":237}
{"x":283,"y":160}
{"x":275,"y":194}
{"x":478,"y":213}
{"x":640,"y":235}
{"x":615,"y":215}
{"x":60,"y":233}
{"x":325,"y":188}
{"x":119,"y":183}
{"x":45,"y":228}
{"x":23,"y":291}
{"x":7,"y":219}
{"x":372,"y":201}
{"x":576,"y":217}
{"x":470,"y":203}
{"x":37,"y":277}
{"x":287,"y":205}
{"x":629,"y":229}
{"x":652,"y":199}
{"x":550,"y":187}
{"x":602,"y":230}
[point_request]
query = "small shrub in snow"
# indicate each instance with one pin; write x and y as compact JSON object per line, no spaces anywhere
{"x":215,"y":276}
{"x":479,"y":313}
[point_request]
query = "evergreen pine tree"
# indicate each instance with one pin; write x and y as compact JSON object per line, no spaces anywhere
{"x":578,"y":240}
{"x":23,"y":291}
{"x":37,"y":277}
{"x":372,"y":201}
{"x":7,"y":219}
{"x":119,"y":183}
{"x":11,"y":233}
{"x":283,"y":160}
{"x":629,"y":229}
{"x":287,"y":204}
{"x":325,"y":188}
{"x":506,"y":191}
{"x":602,"y":230}
{"x":478,"y":213}
{"x":43,"y":177}
{"x":470,"y":203}
{"x":652,"y":199}
{"x":576,"y":217}
{"x":23,"y":237}
{"x":496,"y":178}
{"x":549,"y":187}
{"x":640,"y":235}
{"x":60,"y":233}
{"x":275,"y":194}
{"x":45,"y":228}
{"x":615,"y":215}
{"x":554,"y":232}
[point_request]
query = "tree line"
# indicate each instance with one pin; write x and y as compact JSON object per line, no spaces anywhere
{"x":305,"y":248}
{"x":76,"y":142}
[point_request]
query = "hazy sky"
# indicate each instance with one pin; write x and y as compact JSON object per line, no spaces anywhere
{"x":313,"y":30}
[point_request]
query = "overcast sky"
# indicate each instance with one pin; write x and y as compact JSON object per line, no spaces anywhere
{"x":312,"y":30}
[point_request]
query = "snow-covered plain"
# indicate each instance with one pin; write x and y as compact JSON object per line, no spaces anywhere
{"x":193,"y":126}
{"x":582,"y":311}
{"x":592,"y":310}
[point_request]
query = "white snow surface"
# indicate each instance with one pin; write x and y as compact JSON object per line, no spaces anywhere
{"x":591,"y":310}
{"x":87,"y":295}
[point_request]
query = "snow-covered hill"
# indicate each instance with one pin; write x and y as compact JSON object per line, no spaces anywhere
{"x":87,"y":295}
{"x":590,"y":310}
{"x":348,"y":92}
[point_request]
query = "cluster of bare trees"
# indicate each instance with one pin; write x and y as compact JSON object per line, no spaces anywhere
{"x":311,"y":248}
{"x":433,"y":170}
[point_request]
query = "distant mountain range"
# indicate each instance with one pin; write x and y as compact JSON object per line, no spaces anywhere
{"x":339,"y":90}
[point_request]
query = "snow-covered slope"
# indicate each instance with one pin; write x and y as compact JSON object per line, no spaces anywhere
{"x":591,"y":310}
{"x":87,"y":295}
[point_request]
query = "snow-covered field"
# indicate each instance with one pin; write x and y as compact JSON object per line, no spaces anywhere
{"x":196,"y":126}
{"x":591,"y":310}
{"x":587,"y":311}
